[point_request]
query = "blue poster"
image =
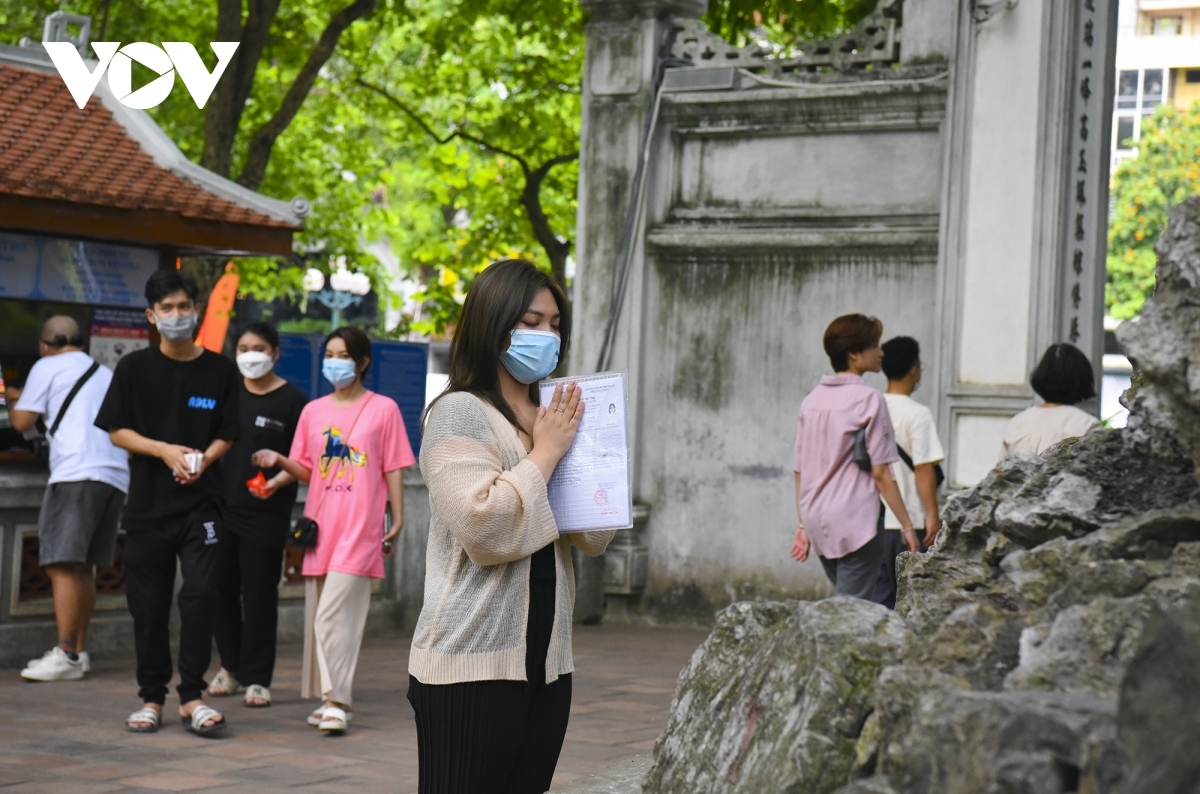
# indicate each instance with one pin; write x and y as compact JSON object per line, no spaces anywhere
{"x":298,"y":362}
{"x":398,"y":370}
{"x":73,"y":271}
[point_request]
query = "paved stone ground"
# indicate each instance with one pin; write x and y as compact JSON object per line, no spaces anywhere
{"x":68,"y":737}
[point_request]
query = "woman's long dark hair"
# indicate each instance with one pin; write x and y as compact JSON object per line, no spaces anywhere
{"x":496,"y":302}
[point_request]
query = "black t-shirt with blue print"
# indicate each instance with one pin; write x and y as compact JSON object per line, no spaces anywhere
{"x":190,"y":403}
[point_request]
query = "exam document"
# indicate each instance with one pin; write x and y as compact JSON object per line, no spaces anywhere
{"x":590,"y":488}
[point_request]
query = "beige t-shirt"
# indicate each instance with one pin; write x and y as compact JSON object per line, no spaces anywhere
{"x":1037,"y":429}
{"x":916,"y":435}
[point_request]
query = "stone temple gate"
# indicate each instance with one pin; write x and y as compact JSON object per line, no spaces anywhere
{"x":733,"y":203}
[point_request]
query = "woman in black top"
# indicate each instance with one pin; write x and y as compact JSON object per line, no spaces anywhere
{"x":256,"y":523}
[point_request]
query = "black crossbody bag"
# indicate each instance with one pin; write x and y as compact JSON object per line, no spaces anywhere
{"x":305,"y":530}
{"x":859,"y":453}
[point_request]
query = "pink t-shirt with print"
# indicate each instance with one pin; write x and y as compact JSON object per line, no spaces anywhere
{"x":839,"y":503}
{"x":347,"y":495}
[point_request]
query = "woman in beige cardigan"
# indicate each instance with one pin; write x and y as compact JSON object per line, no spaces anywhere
{"x":490,"y":666}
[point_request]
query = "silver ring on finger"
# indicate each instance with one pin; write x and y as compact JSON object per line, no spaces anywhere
{"x":558,"y":410}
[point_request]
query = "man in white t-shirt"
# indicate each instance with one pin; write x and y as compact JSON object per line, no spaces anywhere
{"x":77,"y":527}
{"x":916,"y":473}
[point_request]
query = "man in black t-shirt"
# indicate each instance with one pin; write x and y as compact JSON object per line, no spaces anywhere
{"x":175,"y":408}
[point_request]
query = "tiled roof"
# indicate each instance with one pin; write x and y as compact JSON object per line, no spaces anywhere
{"x":51,"y":149}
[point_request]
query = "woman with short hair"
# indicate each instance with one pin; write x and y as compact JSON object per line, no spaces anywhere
{"x":1063,"y":378}
{"x":490,"y":666}
{"x":351,"y":448}
{"x":837,"y":500}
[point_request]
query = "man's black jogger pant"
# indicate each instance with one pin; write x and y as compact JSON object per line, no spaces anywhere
{"x":151,"y":552}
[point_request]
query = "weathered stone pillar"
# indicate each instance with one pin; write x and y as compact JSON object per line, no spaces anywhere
{"x":624,"y":40}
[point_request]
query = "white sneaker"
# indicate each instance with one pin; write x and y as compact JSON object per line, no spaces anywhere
{"x":54,"y":665}
{"x":84,"y":659}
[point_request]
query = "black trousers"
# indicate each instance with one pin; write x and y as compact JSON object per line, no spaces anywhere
{"x":150,"y":562}
{"x":248,"y":574}
{"x":496,"y":737}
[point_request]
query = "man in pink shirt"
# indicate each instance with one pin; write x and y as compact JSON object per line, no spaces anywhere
{"x":838,"y":502}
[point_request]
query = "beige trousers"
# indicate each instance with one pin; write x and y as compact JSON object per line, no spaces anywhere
{"x":335,"y":614}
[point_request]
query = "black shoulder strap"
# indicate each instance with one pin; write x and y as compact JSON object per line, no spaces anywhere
{"x":939,"y":476}
{"x":71,"y":396}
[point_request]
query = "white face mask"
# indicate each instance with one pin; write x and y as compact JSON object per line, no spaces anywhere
{"x":254,"y":364}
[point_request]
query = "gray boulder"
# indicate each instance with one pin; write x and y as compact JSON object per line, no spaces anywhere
{"x":972,"y":600}
{"x":784,"y":711}
{"x":898,"y":694}
{"x":1060,"y":586}
{"x":1086,"y":649}
{"x":1164,"y":341}
{"x":1159,"y":718}
{"x":875,"y":785}
{"x":1002,"y":743}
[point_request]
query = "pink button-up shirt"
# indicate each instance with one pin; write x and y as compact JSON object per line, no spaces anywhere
{"x":839,"y":503}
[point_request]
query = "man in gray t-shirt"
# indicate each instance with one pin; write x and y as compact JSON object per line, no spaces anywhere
{"x":77,"y":527}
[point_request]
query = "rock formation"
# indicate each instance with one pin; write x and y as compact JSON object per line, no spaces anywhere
{"x":1049,"y":642}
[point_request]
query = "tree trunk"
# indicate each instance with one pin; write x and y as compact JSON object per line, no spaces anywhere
{"x":223,"y":113}
{"x":531,"y":194}
{"x":259,"y":150}
{"x":557,"y":250}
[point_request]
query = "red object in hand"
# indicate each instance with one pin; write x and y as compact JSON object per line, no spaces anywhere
{"x":258,"y":485}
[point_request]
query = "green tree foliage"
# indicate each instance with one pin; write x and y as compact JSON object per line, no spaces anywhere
{"x":783,"y":22}
{"x":485,"y":97}
{"x":447,"y":129}
{"x":1144,"y":190}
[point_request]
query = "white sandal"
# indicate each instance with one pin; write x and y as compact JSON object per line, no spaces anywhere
{"x":200,"y":715}
{"x":256,"y":692}
{"x":318,"y":714}
{"x":223,"y":684}
{"x":333,"y":720}
{"x":143,"y":721}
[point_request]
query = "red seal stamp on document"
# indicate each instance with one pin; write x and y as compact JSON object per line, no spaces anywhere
{"x":601,"y":497}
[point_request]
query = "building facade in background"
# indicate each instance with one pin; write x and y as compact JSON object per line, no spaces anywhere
{"x":945,"y":169}
{"x":1158,"y":62}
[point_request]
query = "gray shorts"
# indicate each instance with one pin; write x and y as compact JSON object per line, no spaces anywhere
{"x":79,"y":523}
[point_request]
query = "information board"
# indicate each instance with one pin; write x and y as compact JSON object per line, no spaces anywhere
{"x":116,"y":333}
{"x":398,"y":370}
{"x":73,"y":271}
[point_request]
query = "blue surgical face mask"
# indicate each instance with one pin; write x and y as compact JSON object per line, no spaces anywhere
{"x":338,"y":371}
{"x":531,"y":355}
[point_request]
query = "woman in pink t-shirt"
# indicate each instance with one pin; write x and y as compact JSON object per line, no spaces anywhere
{"x":838,"y":502}
{"x":350,"y":447}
